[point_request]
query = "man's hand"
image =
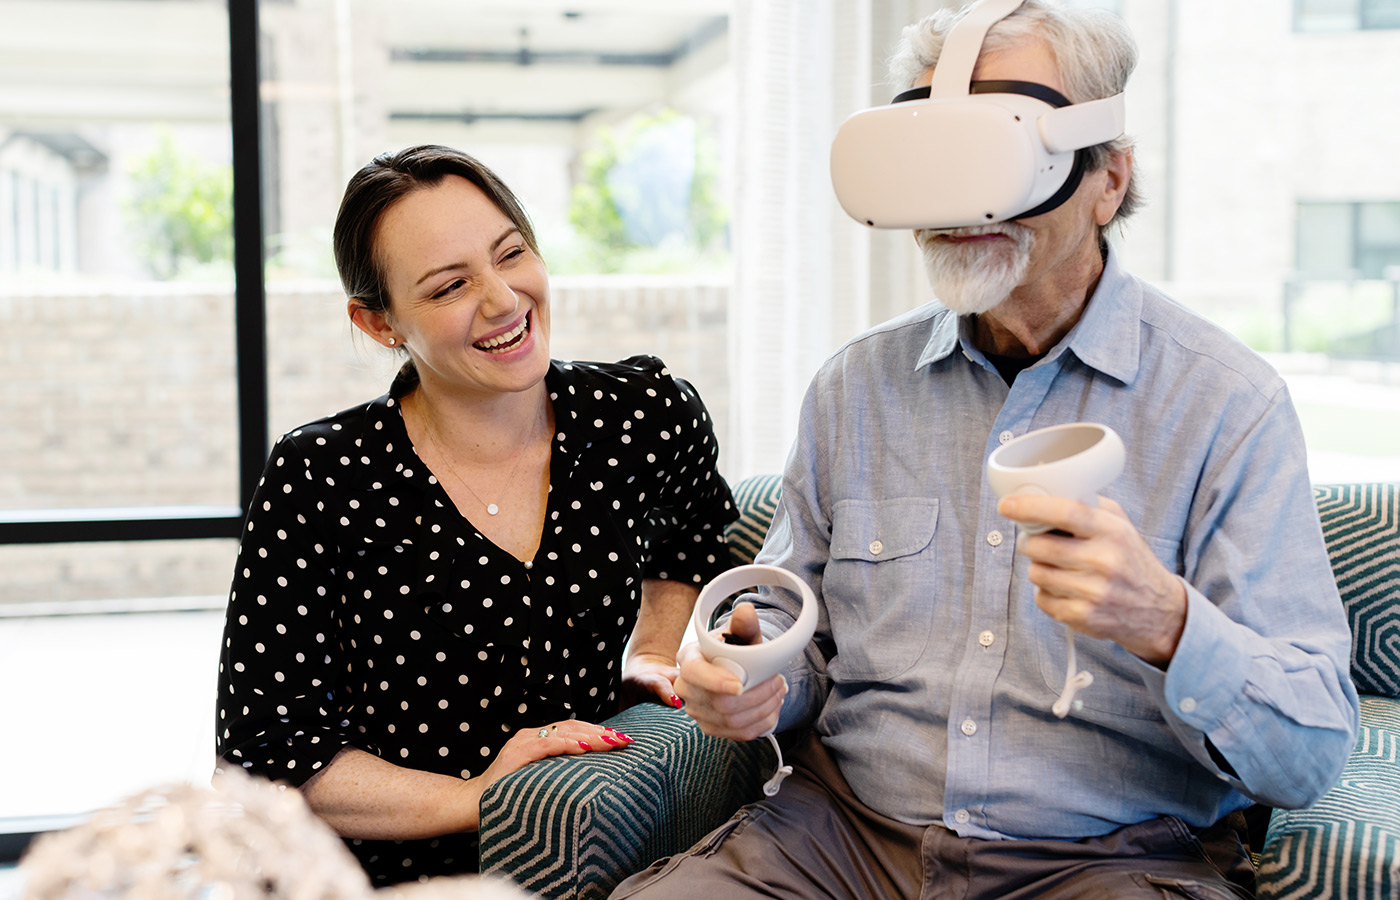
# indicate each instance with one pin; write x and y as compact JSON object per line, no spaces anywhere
{"x":648,"y":678}
{"x":1099,"y":577}
{"x":713,"y":695}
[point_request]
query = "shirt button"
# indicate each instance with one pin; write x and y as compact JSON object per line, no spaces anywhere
{"x":986,"y":638}
{"x":1005,"y":436}
{"x":968,"y":727}
{"x":961,"y":816}
{"x":876,"y":548}
{"x":1187,"y":705}
{"x":994,"y":538}
{"x":529,"y":564}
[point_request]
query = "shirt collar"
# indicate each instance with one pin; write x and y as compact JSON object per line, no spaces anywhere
{"x":1106,"y":337}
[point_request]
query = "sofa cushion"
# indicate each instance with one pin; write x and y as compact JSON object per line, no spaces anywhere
{"x":1348,"y":845}
{"x":756,"y":497}
{"x":572,"y":827}
{"x":1361,"y":524}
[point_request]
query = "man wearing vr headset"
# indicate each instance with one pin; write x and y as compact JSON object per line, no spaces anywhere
{"x":1199,"y":588}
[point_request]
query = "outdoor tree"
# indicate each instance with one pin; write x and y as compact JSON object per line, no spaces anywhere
{"x":649,"y":187}
{"x":180,"y":209}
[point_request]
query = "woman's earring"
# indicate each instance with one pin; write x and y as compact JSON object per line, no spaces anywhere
{"x":391,"y":342}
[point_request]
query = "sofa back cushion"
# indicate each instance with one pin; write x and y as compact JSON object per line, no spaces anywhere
{"x":756,"y":498}
{"x":1361,"y":524}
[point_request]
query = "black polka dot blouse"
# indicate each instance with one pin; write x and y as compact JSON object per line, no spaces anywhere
{"x":366,"y":610}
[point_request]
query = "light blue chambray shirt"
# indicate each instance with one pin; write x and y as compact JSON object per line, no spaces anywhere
{"x":932,"y":672}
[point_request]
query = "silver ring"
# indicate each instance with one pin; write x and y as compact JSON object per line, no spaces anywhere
{"x":544,"y":732}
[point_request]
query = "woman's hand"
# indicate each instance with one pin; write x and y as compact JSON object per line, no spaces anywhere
{"x":649,"y":678}
{"x":363,"y":796}
{"x":569,"y":737}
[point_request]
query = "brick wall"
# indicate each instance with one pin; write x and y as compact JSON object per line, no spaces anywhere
{"x":125,"y":396}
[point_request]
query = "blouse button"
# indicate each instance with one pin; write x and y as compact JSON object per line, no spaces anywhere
{"x":529,"y":563}
{"x":876,"y":548}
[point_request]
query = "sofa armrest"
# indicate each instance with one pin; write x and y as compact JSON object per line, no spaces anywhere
{"x":574,"y":826}
{"x":1348,"y":845}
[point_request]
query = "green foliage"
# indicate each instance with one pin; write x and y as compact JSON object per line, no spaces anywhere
{"x":648,"y":199}
{"x":180,"y":210}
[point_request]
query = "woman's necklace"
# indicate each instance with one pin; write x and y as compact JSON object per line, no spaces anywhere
{"x":491,"y":508}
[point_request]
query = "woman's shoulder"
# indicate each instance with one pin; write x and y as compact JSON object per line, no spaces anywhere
{"x":643,"y":377}
{"x":345,"y":427}
{"x":624,"y":394}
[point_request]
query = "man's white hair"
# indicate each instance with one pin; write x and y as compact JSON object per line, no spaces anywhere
{"x":1093,"y":50}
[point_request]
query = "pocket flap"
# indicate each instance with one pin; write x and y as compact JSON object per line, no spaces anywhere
{"x":877,"y":530}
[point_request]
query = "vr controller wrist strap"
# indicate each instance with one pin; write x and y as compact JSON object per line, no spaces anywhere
{"x":771,"y":786}
{"x":1075,"y":681}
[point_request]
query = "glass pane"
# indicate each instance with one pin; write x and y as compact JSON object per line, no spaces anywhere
{"x":1327,"y":15}
{"x":1380,"y":13}
{"x":607,"y":122}
{"x":1379,"y":241}
{"x":1325,"y":242}
{"x":48,"y":578}
{"x":115,"y":254}
{"x":1380,"y":224}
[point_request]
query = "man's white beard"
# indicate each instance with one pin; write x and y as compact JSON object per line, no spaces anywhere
{"x":972,"y":278}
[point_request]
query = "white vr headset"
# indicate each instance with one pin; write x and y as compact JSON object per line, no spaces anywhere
{"x":962,"y":152}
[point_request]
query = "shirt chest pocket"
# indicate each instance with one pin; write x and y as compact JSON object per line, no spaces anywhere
{"x":880,"y":585}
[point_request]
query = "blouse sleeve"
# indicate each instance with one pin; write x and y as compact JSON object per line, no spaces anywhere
{"x":686,"y":527}
{"x":278,"y":714}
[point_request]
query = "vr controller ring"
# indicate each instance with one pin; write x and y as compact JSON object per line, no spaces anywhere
{"x":754,"y":663}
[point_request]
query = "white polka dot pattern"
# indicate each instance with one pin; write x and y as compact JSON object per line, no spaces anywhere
{"x":366,"y":610}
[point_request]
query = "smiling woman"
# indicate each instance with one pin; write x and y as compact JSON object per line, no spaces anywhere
{"x":433,"y":588}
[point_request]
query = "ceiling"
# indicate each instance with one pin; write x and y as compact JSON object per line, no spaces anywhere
{"x":103,"y":60}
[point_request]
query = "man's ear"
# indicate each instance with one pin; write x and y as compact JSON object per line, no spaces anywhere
{"x":1118,"y":171}
{"x":372,"y":322}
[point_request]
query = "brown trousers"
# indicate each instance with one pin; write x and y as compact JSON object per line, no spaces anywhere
{"x":816,"y":840}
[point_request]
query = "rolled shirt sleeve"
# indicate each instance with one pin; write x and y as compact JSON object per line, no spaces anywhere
{"x":1260,"y":671}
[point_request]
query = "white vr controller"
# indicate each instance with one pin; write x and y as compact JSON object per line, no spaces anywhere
{"x":754,"y":663}
{"x":1077,"y":461}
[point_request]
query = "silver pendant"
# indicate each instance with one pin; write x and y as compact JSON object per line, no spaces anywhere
{"x":492,"y":509}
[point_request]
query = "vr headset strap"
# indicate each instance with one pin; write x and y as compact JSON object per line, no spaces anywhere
{"x":963,"y":45}
{"x":1082,"y":124}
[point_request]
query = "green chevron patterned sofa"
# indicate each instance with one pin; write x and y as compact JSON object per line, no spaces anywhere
{"x":573,"y":828}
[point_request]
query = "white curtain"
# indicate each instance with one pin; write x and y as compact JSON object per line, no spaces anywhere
{"x":806,"y":277}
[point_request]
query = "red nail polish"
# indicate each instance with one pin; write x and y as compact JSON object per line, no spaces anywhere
{"x":609,"y":740}
{"x":625,"y":737}
{"x":584,"y":745}
{"x":675,"y":701}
